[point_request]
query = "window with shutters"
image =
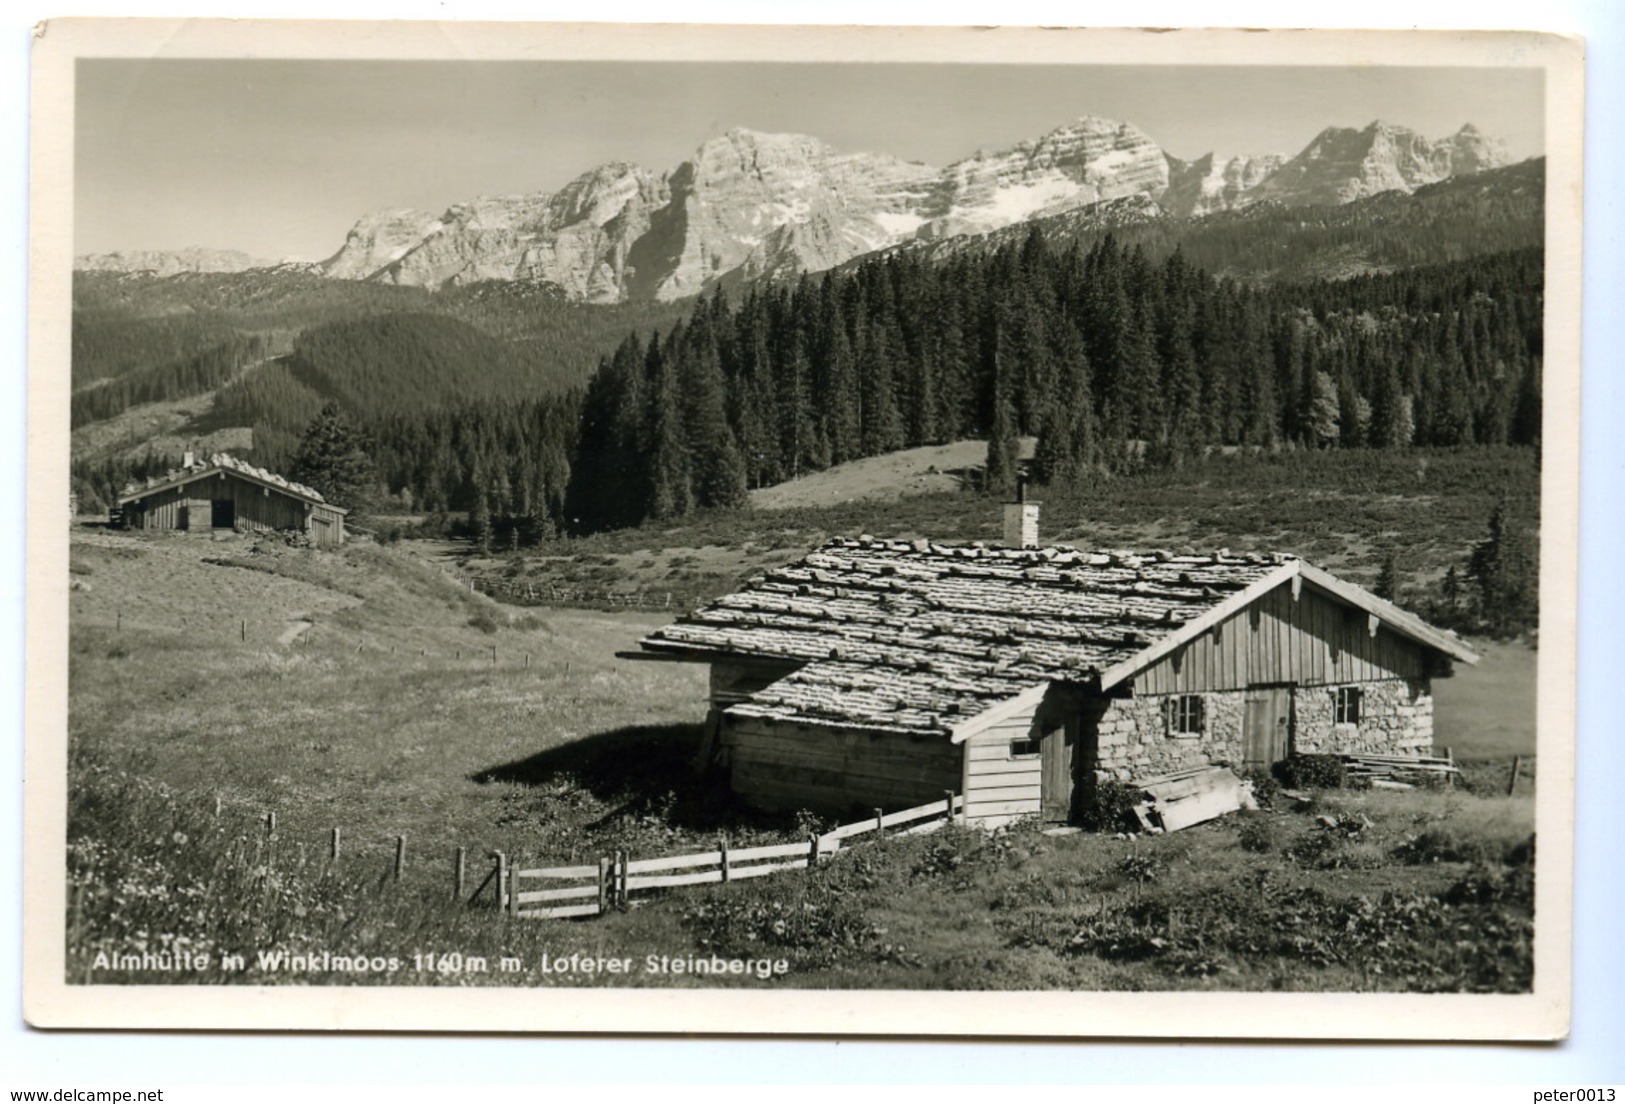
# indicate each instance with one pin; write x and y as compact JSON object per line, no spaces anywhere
{"x":1346,"y":705}
{"x":1185,"y":715}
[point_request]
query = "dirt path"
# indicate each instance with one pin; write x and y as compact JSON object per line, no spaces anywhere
{"x":294,"y":631}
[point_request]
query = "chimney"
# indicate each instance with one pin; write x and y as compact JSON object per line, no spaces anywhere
{"x":188,"y":458}
{"x":1021,"y":519}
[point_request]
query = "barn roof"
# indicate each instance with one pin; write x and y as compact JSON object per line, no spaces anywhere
{"x":221,"y":461}
{"x":920,"y":637}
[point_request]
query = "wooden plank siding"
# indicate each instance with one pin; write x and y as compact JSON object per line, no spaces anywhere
{"x":190,"y":506}
{"x":998,"y":783}
{"x":1278,"y":639}
{"x":254,"y":507}
{"x":778,"y":765}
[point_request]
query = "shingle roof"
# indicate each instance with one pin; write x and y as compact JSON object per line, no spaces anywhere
{"x":917,"y":637}
{"x":178,"y":476}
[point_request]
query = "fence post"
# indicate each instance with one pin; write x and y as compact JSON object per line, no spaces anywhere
{"x":270,"y":823}
{"x":723,"y":847}
{"x":880,"y":826}
{"x":217,"y":806}
{"x":333,"y":845}
{"x":502,"y":880}
{"x":624,"y":892}
{"x":812,"y":851}
{"x":242,"y":632}
{"x":948,"y":804}
{"x":1512,"y":779}
{"x":459,"y":865}
{"x":400,"y":856}
{"x":603,"y":884}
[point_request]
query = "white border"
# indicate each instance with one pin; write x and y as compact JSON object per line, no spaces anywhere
{"x":1411,"y":7}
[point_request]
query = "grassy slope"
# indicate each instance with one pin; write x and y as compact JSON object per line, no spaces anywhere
{"x":1343,"y":510}
{"x":1487,"y":712}
{"x":884,"y":478}
{"x":381,"y":718}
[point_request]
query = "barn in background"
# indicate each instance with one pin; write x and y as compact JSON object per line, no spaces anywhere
{"x":224,"y":494}
{"x":880,"y":673}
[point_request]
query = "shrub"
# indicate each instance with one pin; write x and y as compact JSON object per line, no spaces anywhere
{"x":484,"y":621}
{"x":1139,"y":868}
{"x":1265,"y":788}
{"x":1112,"y":809}
{"x":1036,"y":889}
{"x":1257,"y":832}
{"x":942,"y":856}
{"x":816,"y":925}
{"x":1320,"y":772}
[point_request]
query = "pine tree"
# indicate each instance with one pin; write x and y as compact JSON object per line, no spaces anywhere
{"x":1504,"y":570}
{"x":671,"y":493}
{"x":1003,"y":444}
{"x":718,"y":468}
{"x":1387,"y":585}
{"x":1324,"y":412}
{"x":334,"y":458}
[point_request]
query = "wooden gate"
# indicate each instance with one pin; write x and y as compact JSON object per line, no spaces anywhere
{"x":1268,"y":726}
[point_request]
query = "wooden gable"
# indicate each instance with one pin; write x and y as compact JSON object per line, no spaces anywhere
{"x":1295,"y":633}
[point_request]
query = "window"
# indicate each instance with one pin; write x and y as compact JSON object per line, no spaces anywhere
{"x":1024,"y":748}
{"x":1346,"y":705}
{"x":1186,"y":715}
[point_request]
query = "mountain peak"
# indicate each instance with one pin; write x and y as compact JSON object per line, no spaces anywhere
{"x":752,"y":204}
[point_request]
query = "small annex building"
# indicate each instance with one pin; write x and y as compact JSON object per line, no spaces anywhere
{"x":883,"y":672}
{"x":225,"y":494}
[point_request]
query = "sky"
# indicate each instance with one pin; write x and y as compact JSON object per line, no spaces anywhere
{"x":280,"y":158}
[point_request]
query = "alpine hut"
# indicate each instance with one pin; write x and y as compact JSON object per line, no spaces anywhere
{"x":883,"y":672}
{"x":223,"y":493}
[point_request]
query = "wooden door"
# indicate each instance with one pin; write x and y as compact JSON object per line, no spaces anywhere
{"x":1268,"y":726}
{"x":1055,"y":778}
{"x":222,"y":513}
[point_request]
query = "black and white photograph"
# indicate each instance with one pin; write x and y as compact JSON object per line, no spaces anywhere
{"x":755,"y":529}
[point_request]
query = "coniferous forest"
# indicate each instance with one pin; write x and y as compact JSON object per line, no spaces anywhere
{"x":1115,"y":361}
{"x":1112,"y":361}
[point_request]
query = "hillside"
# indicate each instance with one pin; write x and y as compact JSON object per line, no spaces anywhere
{"x":929,"y":469}
{"x":126,"y":321}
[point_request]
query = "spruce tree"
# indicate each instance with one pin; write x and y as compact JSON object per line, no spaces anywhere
{"x":1504,"y":571}
{"x":1003,"y":444}
{"x":334,"y":458}
{"x":1387,"y":585}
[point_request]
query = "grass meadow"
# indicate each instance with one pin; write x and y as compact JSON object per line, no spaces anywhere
{"x":214,"y":683}
{"x":1345,"y":510}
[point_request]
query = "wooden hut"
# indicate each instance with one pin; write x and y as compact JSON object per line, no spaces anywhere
{"x":224,"y":494}
{"x":880,"y":673}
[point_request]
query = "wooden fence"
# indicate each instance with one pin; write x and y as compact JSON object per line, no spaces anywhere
{"x":591,"y":890}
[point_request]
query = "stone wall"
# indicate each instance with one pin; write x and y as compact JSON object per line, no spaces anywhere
{"x":1396,"y":717}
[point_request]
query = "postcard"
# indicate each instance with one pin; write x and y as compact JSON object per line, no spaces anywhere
{"x":808,"y":530}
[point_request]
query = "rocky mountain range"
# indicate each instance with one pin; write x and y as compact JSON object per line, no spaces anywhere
{"x":750,"y":205}
{"x":162,"y":262}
